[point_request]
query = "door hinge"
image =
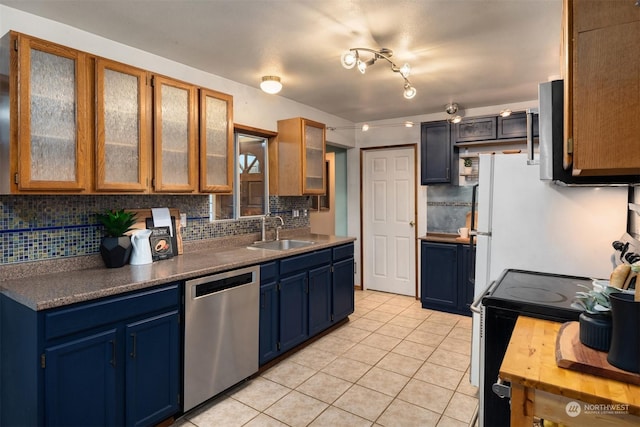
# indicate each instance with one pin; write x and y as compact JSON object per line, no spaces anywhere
{"x":15,"y":45}
{"x":43,"y":361}
{"x":16,"y":179}
{"x":279,"y":287}
{"x":570,"y":146}
{"x":332,"y":317}
{"x":332,"y":270}
{"x":278,"y":346}
{"x":153,"y":81}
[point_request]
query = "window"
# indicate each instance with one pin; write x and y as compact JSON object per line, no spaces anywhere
{"x":250,"y":195}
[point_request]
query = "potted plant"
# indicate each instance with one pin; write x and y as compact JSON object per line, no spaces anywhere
{"x":468,"y":166}
{"x":115,"y":247}
{"x":595,"y":319}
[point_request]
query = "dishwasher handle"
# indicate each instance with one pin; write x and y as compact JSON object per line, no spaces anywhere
{"x":209,"y":285}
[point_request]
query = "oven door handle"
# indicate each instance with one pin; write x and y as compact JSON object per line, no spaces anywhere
{"x":475,"y":306}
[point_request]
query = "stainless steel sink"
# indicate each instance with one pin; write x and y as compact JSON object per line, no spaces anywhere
{"x":281,"y":245}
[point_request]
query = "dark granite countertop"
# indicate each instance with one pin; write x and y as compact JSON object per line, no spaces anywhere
{"x":45,"y":291}
{"x":444,"y":238}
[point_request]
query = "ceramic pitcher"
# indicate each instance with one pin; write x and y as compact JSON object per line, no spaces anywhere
{"x":141,"y":248}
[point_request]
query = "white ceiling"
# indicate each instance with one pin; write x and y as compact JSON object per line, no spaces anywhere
{"x":473,"y":52}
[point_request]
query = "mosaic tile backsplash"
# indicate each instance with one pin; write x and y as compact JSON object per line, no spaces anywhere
{"x":447,"y":207}
{"x":36,"y":228}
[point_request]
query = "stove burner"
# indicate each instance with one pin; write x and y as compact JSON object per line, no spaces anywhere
{"x":538,"y":295}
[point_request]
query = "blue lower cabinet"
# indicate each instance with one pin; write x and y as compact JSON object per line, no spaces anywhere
{"x":109,"y":362}
{"x":343,"y":295}
{"x":319,"y":299}
{"x":269,"y":320}
{"x":81,"y":379}
{"x":294,"y":301}
{"x":445,"y":283}
{"x":152,"y":365}
{"x":301,"y":296}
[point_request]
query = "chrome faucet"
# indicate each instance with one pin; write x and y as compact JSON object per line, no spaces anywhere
{"x":264,"y":227}
{"x":278,"y":228}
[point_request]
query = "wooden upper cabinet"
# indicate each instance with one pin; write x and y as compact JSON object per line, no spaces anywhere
{"x":216,"y":142}
{"x":602,"y":84}
{"x":49,"y":127}
{"x":296,"y":158}
{"x":123,"y":136}
{"x":175,"y":136}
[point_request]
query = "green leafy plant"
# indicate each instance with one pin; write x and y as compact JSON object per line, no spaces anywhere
{"x":594,"y":301}
{"x":468,"y":162}
{"x":117,"y":223}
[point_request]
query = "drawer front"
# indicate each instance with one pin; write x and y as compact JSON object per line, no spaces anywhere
{"x":268,"y":271}
{"x":342,"y":252}
{"x":85,"y":316}
{"x":304,"y":262}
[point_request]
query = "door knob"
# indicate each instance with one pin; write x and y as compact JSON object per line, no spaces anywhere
{"x":412,"y":223}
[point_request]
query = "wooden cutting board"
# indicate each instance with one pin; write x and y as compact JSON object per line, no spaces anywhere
{"x":572,"y":354}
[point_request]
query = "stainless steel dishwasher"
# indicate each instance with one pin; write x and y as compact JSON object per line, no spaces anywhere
{"x":221,"y":334}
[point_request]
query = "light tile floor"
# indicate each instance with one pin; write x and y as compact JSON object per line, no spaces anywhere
{"x":393,"y":364}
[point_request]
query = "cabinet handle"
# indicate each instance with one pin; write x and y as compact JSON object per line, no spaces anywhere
{"x":133,"y":347}
{"x":112,"y":362}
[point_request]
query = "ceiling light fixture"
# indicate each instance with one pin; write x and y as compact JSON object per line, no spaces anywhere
{"x":451,"y":109}
{"x":271,"y":84}
{"x":505,"y":113}
{"x":351,"y":58}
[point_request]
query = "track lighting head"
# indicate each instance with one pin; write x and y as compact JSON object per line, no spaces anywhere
{"x":451,"y":108}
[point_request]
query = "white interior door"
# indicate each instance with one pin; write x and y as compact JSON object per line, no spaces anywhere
{"x":389,"y":232}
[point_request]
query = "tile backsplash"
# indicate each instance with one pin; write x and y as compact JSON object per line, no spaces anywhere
{"x":35,"y":228}
{"x":447,"y":207}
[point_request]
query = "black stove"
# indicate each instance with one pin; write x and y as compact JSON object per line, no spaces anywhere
{"x":541,"y":295}
{"x":518,"y":292}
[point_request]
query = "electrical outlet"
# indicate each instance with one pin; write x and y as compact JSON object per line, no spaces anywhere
{"x":183,"y":220}
{"x":305,"y":212}
{"x":295,"y":213}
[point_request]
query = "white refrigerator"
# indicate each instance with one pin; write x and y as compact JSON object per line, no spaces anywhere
{"x":528,"y":224}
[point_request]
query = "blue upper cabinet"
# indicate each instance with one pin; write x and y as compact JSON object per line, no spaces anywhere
{"x":435,"y":152}
{"x":475,"y":129}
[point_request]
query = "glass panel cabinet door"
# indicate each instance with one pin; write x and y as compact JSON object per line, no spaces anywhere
{"x":52,"y":125}
{"x":313,"y":160}
{"x":216,"y":142}
{"x":122,"y":146}
{"x":174,"y":136}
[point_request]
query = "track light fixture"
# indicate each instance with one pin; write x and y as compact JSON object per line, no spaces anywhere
{"x":352,"y":58}
{"x":451,"y":109}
